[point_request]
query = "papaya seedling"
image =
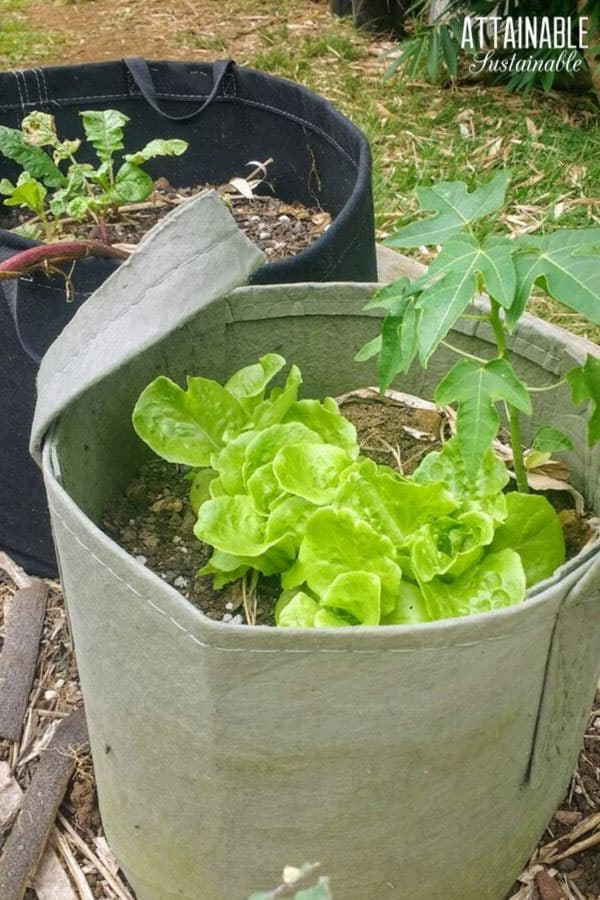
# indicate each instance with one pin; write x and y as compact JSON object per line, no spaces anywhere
{"x":57,"y":188}
{"x":419,"y":314}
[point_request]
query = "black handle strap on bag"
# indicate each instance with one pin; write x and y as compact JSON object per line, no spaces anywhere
{"x":141,"y":74}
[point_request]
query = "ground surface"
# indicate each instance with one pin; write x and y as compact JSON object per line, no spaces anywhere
{"x":418,"y":132}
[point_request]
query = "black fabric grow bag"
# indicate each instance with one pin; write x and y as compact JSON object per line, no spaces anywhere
{"x":229,"y":115}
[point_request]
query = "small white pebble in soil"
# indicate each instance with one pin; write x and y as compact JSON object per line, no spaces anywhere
{"x":227,"y":617}
{"x":141,"y":559}
{"x":60,"y":683}
{"x":284,"y":219}
{"x":254,"y":218}
{"x":180,"y":582}
{"x":176,"y":539}
{"x":264,"y":235}
{"x":184,"y":549}
{"x":237,"y":620}
{"x":50,"y":695}
{"x":229,"y":606}
{"x":131,"y":523}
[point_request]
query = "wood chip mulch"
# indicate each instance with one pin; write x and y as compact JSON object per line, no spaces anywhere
{"x":60,"y":853}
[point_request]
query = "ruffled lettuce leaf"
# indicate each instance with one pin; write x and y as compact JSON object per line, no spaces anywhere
{"x":497,"y":581}
{"x":327,"y":421}
{"x":451,"y":545}
{"x":392,"y":505}
{"x":187,"y":426}
{"x":533,"y":530}
{"x":338,"y":541}
{"x":480,"y":491}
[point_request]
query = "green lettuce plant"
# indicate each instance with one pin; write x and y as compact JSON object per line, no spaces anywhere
{"x":54,"y":185}
{"x":280,"y":489}
{"x":419,"y":314}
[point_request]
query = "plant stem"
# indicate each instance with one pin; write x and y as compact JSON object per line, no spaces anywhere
{"x":547,"y":387}
{"x":464,"y":353}
{"x":64,"y":251}
{"x":513,"y":413}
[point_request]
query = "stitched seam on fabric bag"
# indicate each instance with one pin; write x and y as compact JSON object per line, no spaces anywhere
{"x":188,"y":634}
{"x":125,"y":310}
{"x":342,"y":255}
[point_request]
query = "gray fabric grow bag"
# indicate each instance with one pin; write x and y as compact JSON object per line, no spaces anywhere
{"x":419,"y":761}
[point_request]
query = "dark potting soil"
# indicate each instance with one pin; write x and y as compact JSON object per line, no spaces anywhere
{"x":154,"y":522}
{"x":279,"y":229}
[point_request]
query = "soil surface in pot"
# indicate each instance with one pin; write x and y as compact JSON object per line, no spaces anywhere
{"x":279,"y":229}
{"x":154,"y":522}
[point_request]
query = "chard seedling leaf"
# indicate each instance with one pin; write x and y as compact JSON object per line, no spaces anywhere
{"x":158,"y":147}
{"x":476,"y":388}
{"x":104,"y":130}
{"x":186,"y":426}
{"x":565,"y":264}
{"x":33,"y":159}
{"x":455,"y":208}
{"x":28,"y":194}
{"x":132,"y":185}
{"x":497,"y":581}
{"x":533,"y":530}
{"x":39,"y":129}
{"x":585,"y":385}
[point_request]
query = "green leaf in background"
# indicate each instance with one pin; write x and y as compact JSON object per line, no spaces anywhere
{"x":158,"y":147}
{"x":550,"y":440}
{"x":455,"y":208}
{"x":32,"y":159}
{"x":533,"y":530}
{"x":132,"y":185}
{"x":399,"y":341}
{"x":565,"y":264}
{"x":104,"y":130}
{"x":451,"y":282}
{"x":29,"y":194}
{"x":585,"y":385}
{"x":39,"y":129}
{"x":186,"y":426}
{"x":476,"y":388}
{"x":498,"y":581}
{"x":481,"y":490}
